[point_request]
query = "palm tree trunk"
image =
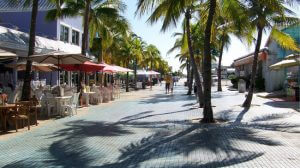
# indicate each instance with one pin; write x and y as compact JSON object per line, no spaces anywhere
{"x":135,"y":74}
{"x":188,"y":72}
{"x":100,"y":60}
{"x":247,"y":102}
{"x":151,"y":76}
{"x":127,"y":82}
{"x":84,"y":40}
{"x":191,"y":52}
{"x":220,"y":68}
{"x":207,"y":111}
{"x":127,"y":78}
{"x":192,"y":73}
{"x":27,"y":78}
{"x":86,"y":27}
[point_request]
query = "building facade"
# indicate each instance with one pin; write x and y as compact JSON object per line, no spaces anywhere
{"x":271,"y":54}
{"x":57,"y":35}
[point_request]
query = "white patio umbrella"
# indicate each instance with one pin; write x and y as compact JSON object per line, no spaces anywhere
{"x":21,"y":66}
{"x":59,"y":57}
{"x":153,"y":73}
{"x":4,"y":54}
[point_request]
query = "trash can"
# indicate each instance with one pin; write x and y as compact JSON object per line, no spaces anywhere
{"x":241,"y":86}
{"x":297,"y":93}
{"x":143,"y":85}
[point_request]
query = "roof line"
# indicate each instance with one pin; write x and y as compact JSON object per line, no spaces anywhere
{"x":250,"y":54}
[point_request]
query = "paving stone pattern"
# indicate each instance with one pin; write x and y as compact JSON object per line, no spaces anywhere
{"x":157,"y":132}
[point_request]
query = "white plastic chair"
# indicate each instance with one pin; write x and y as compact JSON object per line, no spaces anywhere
{"x":14,"y":96}
{"x":72,"y":105}
{"x":50,"y":103}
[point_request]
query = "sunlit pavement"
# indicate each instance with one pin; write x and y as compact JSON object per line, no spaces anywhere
{"x":156,"y":131}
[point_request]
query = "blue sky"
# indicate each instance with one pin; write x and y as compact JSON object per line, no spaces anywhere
{"x":164,"y":40}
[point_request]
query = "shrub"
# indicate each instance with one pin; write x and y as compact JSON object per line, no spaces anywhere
{"x":234,"y":80}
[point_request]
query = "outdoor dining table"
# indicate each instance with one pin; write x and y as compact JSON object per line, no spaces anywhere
{"x":60,"y":101}
{"x":4,"y":110}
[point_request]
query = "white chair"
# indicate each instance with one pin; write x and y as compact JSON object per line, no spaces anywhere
{"x":72,"y":105}
{"x":14,"y":96}
{"x":38,"y":94}
{"x":50,"y":103}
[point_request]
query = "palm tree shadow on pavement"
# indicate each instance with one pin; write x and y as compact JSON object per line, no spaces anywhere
{"x":69,"y":149}
{"x":166,"y":98}
{"x":224,"y":143}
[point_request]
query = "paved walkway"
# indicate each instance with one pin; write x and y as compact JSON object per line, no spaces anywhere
{"x":156,"y":131}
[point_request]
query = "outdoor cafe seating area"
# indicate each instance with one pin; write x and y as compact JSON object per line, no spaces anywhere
{"x":61,"y":100}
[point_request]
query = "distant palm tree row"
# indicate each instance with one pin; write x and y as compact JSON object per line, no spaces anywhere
{"x":106,"y":32}
{"x":207,"y":26}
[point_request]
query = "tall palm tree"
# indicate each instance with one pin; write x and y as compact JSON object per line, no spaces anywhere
{"x":27,"y":77}
{"x":183,"y":56}
{"x":207,"y":110}
{"x":268,"y":14}
{"x":152,"y":58}
{"x":138,"y":47}
{"x":170,"y":12}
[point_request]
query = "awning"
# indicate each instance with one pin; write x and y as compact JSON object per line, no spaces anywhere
{"x":4,"y":54}
{"x":249,"y":59}
{"x":289,"y":61}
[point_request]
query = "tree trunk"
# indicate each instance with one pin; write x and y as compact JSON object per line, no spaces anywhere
{"x":207,"y":111}
{"x":27,"y":78}
{"x":194,"y":65}
{"x":100,"y":56}
{"x":135,"y":74}
{"x":188,"y":71}
{"x":247,"y":102}
{"x":151,"y":75}
{"x":127,"y":82}
{"x":85,"y":28}
{"x":100,"y":60}
{"x":191,"y":80}
{"x":220,"y":68}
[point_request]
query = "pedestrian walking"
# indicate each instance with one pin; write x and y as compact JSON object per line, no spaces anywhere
{"x":168,"y":80}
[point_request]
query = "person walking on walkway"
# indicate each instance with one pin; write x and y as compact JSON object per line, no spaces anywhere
{"x":168,"y":83}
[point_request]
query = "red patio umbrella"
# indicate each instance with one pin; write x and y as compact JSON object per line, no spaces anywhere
{"x":108,"y":68}
{"x":87,"y":66}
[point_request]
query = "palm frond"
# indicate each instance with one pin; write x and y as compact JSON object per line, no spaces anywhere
{"x":284,"y":40}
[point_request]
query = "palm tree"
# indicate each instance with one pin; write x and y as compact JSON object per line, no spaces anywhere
{"x":152,"y":59}
{"x":181,"y":44}
{"x":170,"y":12}
{"x":207,"y":111}
{"x":138,"y":46}
{"x":27,"y":77}
{"x":224,"y":40}
{"x":268,"y":14}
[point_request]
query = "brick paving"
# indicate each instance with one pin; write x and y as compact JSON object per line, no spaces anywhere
{"x":157,"y":131}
